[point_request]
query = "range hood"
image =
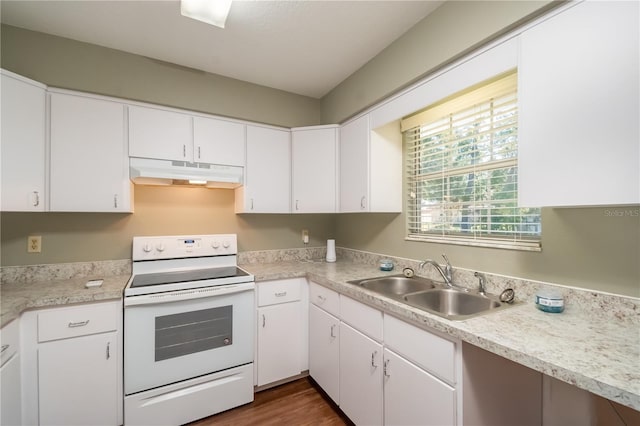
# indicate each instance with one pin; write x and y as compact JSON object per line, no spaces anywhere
{"x":149,"y":171}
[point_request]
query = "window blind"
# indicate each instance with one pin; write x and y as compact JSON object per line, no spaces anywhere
{"x":462,"y":171}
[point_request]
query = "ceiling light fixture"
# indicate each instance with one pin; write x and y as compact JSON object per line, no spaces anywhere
{"x":212,"y":12}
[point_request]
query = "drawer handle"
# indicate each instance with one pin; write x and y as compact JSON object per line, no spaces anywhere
{"x":373,"y":359}
{"x":264,"y":321}
{"x":4,"y":348}
{"x":108,"y":350}
{"x":78,"y":324}
{"x":281,"y":294}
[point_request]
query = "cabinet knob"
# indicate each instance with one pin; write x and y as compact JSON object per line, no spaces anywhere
{"x":362,"y":202}
{"x":333,"y":326}
{"x":373,"y":359}
{"x":36,"y":198}
{"x":115,"y":201}
{"x":385,"y":368}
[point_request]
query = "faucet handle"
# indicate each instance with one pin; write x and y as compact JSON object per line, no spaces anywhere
{"x":447,"y":269}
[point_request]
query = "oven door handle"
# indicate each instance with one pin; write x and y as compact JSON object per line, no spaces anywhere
{"x":196,"y":293}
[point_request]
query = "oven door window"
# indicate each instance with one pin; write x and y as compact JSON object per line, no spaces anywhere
{"x":190,"y":332}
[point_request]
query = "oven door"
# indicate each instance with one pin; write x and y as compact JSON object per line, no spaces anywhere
{"x":174,"y":336}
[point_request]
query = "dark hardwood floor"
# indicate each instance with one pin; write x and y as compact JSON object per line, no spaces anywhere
{"x":296,"y":403}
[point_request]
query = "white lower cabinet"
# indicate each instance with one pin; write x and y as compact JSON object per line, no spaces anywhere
{"x":414,"y":397}
{"x":324,"y":351}
{"x":10,"y":382}
{"x":77,"y":380}
{"x":278,"y":333}
{"x":379,"y":369}
{"x":72,"y":365}
{"x":360,"y":377}
{"x":10,"y":408}
{"x":281,"y":330}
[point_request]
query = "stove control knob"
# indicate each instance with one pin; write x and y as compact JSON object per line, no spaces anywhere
{"x":215,"y":244}
{"x":146,"y":248}
{"x":160,"y":247}
{"x":225,"y":244}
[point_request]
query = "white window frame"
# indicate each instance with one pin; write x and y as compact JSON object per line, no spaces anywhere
{"x":439,"y":122}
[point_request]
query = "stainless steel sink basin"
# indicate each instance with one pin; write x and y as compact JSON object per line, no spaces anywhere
{"x":395,"y":285}
{"x":453,"y":304}
{"x":435,"y":298}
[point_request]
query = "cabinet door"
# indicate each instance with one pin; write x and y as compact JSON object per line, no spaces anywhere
{"x":156,"y":133}
{"x":23,"y":141}
{"x":267,"y":173}
{"x":414,"y":397}
{"x":314,"y":170}
{"x":354,"y":166}
{"x":10,"y":392}
{"x":77,"y":381}
{"x":324,"y":351}
{"x":218,"y":141}
{"x":279,"y":335}
{"x":579,"y":97}
{"x":89,"y":163}
{"x":360,"y":377}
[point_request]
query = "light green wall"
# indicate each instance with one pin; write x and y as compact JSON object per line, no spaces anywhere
{"x":70,"y":64}
{"x":82,"y":237}
{"x":452,"y":30}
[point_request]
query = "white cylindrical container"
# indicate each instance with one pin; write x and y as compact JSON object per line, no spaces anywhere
{"x":331,"y":250}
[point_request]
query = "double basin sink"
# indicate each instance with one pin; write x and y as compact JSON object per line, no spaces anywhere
{"x":431,"y":297}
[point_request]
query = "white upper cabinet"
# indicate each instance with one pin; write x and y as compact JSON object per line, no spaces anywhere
{"x":23,"y":143}
{"x":170,"y":135}
{"x":157,"y":133}
{"x":579,"y":101}
{"x":314,"y":169}
{"x":218,"y":141}
{"x":370,"y":167}
{"x":267,"y":187}
{"x":89,"y":170}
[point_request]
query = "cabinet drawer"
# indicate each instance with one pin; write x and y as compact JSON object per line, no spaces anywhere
{"x":364,"y":318}
{"x":78,"y":321}
{"x":324,"y":298}
{"x":281,"y":291}
{"x":10,"y":340}
{"x":431,"y":352}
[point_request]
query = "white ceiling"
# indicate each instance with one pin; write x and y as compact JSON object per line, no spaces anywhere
{"x":304,"y":47}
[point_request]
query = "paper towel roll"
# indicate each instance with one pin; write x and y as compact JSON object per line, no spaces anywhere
{"x":331,"y":250}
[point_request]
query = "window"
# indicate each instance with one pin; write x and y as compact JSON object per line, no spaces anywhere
{"x":462,"y":171}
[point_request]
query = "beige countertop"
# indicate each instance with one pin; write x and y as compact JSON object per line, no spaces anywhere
{"x":18,"y":297}
{"x":600,"y":354}
{"x":593,"y":349}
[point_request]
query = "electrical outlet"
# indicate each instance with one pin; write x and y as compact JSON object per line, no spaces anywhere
{"x":34,"y":244}
{"x":305,"y":236}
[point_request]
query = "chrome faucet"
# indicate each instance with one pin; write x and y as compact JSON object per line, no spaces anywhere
{"x":482,"y":282}
{"x":446,"y":272}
